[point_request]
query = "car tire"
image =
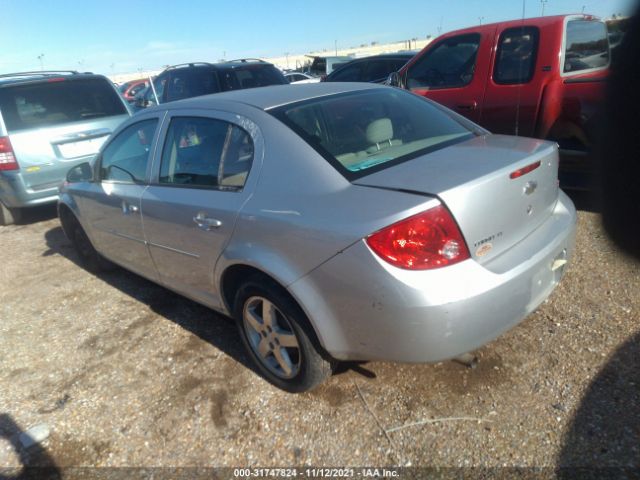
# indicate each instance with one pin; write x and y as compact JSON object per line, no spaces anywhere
{"x":281,"y":343}
{"x":89,"y":256}
{"x":9,"y":216}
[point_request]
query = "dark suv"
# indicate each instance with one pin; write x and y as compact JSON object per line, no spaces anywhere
{"x":195,"y":79}
{"x":374,"y":69}
{"x":50,"y":122}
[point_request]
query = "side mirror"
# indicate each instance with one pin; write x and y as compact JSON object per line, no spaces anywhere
{"x":80,"y":173}
{"x":394,"y":80}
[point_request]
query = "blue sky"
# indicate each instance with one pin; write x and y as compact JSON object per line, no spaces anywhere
{"x":124,"y":36}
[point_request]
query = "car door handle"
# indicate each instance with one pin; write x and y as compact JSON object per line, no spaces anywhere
{"x":468,"y":106}
{"x":127,"y":208}
{"x":205,"y":222}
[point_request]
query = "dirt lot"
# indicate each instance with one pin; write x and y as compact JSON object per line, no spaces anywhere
{"x":126,"y":373}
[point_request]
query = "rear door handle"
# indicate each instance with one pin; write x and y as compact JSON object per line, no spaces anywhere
{"x":128,"y":208}
{"x":206,"y":223}
{"x":468,"y":106}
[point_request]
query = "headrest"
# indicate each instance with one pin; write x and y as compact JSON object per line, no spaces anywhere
{"x":379,"y":131}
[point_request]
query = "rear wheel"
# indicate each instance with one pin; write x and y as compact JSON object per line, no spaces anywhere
{"x":277,"y":336}
{"x":9,"y":216}
{"x":89,"y":257}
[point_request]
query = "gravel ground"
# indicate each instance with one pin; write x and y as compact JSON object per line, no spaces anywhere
{"x":126,"y":373}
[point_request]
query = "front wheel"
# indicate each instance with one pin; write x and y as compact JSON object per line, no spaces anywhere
{"x":278,"y":337}
{"x":89,"y":256}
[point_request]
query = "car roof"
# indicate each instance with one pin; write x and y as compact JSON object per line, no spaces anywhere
{"x":265,"y":98}
{"x":42,"y":77}
{"x":387,"y":55}
{"x":535,"y":21}
{"x":242,"y":62}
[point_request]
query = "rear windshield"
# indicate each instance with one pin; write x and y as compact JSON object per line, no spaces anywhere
{"x":53,"y":103}
{"x":587,"y":46}
{"x":251,"y":76}
{"x":372,"y":129}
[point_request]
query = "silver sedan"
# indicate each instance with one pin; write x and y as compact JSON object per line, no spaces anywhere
{"x":332,"y":221}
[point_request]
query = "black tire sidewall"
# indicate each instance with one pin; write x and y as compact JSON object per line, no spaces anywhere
{"x":313,"y":367}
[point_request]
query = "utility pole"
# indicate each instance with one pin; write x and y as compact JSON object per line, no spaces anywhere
{"x":440,"y":27}
{"x":543,"y":2}
{"x":287,"y":55}
{"x":336,"y":45}
{"x":480,"y":19}
{"x":583,"y":7}
{"x":40,"y":57}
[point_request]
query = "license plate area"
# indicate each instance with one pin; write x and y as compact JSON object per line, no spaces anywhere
{"x":83,"y":148}
{"x":546,"y":279}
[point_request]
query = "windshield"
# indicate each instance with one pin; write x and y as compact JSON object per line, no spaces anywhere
{"x":364,"y":129}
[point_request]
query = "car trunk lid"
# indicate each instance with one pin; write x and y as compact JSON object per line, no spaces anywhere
{"x":495,"y":207}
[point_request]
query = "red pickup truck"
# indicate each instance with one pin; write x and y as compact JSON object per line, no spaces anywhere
{"x":539,"y":77}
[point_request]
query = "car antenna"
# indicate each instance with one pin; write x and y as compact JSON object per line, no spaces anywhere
{"x":520,"y":75}
{"x":153,"y":89}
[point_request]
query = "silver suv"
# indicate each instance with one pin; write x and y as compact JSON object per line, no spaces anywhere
{"x":50,"y":122}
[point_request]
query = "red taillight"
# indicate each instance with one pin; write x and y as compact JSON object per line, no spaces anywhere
{"x":7,"y":158}
{"x":523,"y":171}
{"x":428,"y":240}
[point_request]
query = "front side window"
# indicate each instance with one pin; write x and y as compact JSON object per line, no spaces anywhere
{"x":204,"y":152}
{"x":126,"y":157}
{"x":450,"y":64}
{"x":369,"y":130}
{"x":587,"y":46}
{"x":516,"y":56}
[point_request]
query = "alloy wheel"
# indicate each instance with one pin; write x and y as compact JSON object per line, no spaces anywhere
{"x":271,"y":337}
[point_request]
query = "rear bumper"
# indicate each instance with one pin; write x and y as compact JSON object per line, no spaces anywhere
{"x":364,"y":309}
{"x":14,"y":193}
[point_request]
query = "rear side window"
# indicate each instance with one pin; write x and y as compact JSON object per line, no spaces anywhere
{"x":58,"y":102}
{"x":348,"y":73}
{"x":516,"y":57}
{"x":251,"y":76}
{"x":369,"y":130}
{"x":190,"y":82}
{"x":126,"y":157}
{"x":450,"y":64}
{"x":377,"y":70}
{"x":587,"y":46}
{"x":205,"y":152}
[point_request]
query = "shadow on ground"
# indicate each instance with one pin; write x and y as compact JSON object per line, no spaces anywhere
{"x":36,"y":462}
{"x":216,"y":329}
{"x":37,"y":214}
{"x":605,"y":431}
{"x":584,"y":200}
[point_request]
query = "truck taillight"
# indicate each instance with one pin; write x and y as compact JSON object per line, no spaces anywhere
{"x":425,"y":241}
{"x":7,"y":158}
